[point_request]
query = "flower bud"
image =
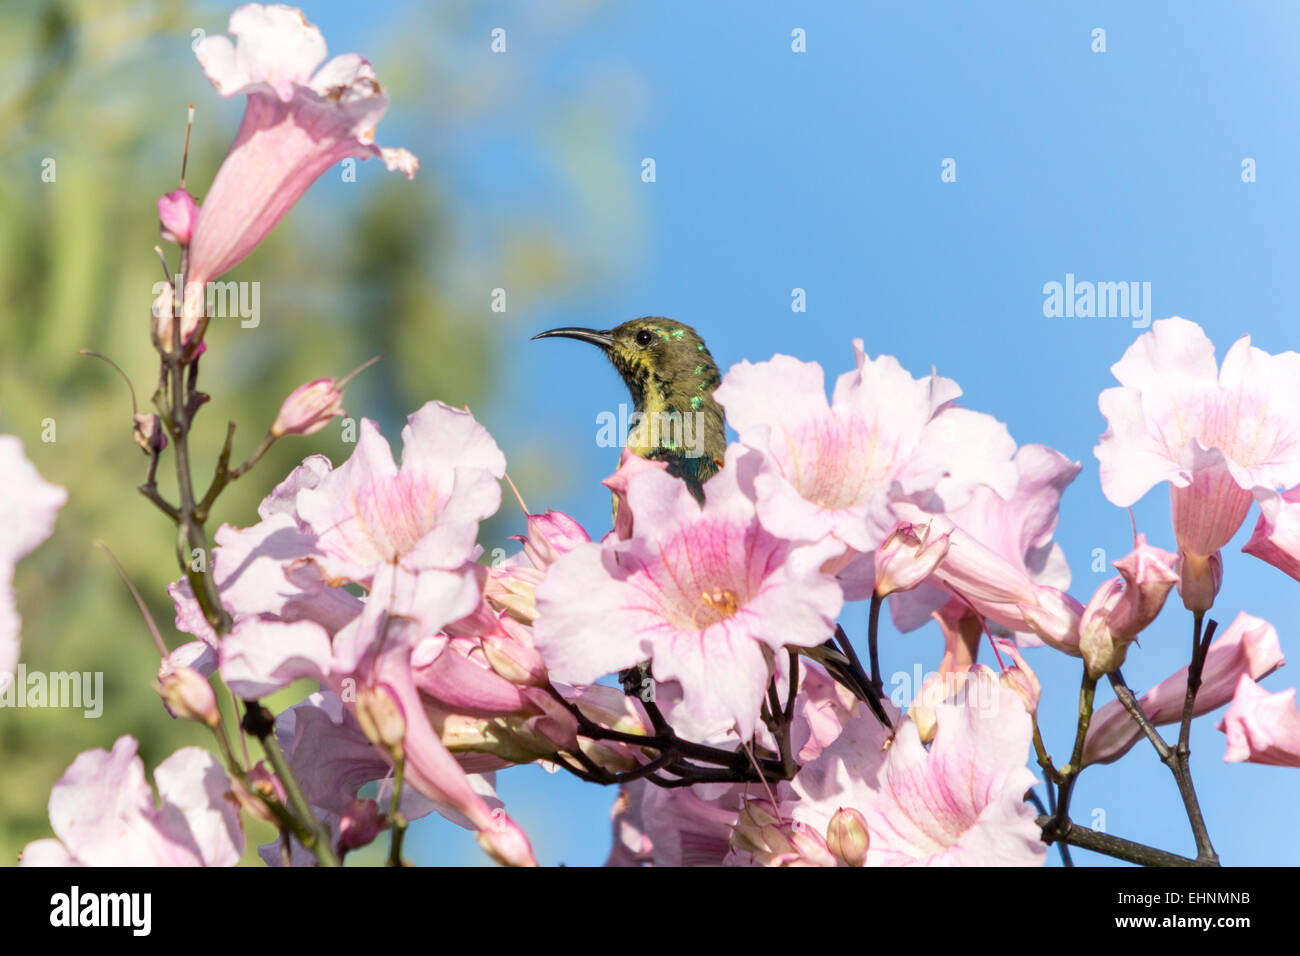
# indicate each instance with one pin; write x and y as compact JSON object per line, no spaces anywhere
{"x":550,"y":536}
{"x":907,"y":557}
{"x":514,"y":660}
{"x":381,"y":719}
{"x":309,"y":408}
{"x":165,"y":313}
{"x":1123,"y":607}
{"x":505,"y":842}
{"x":512,"y":588}
{"x":1020,"y":678}
{"x":847,"y":837}
{"x":1054,"y":617}
{"x":261,"y":783}
{"x":178,"y":212}
{"x":148,"y":433}
{"x":187,"y":694}
{"x":361,"y":822}
{"x":1199,"y":579}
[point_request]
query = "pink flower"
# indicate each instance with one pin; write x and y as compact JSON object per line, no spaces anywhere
{"x":299,"y":121}
{"x":374,"y":653}
{"x":630,"y":464}
{"x":309,"y":408}
{"x":1124,"y":606}
{"x":177,"y":212}
{"x":426,"y":514}
{"x":327,"y":751}
{"x":907,"y":557}
{"x":27,"y":511}
{"x":1277,"y":533}
{"x":187,"y":694}
{"x":1021,"y":678}
{"x":550,"y":536}
{"x":959,"y":803}
{"x":1001,"y":558}
{"x":632,"y":847}
{"x":103,"y":814}
{"x":764,"y":837}
{"x":1262,"y":727}
{"x":1220,"y":437}
{"x":836,"y":469}
{"x":690,"y":826}
{"x":261,"y":656}
{"x":360,"y":824}
{"x":1249,"y":646}
{"x":702,"y":592}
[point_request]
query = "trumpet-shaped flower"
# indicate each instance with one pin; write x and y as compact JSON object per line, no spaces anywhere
{"x":424,"y":515}
{"x":299,"y":121}
{"x":959,"y":803}
{"x":27,"y":511}
{"x":1124,"y":606}
{"x":103,"y":813}
{"x":1248,"y":647}
{"x":1221,"y":437}
{"x":1002,"y":560}
{"x":1262,"y":727}
{"x":703,"y":593}
{"x":836,"y":469}
{"x":373,"y":655}
{"x":1277,"y":533}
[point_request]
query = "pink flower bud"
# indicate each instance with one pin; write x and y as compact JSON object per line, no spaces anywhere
{"x":261,"y":783}
{"x":1020,"y":678}
{"x":505,"y":842}
{"x":1199,"y":579}
{"x":148,"y":433}
{"x":361,"y":822}
{"x":1124,"y":606}
{"x":847,"y":837}
{"x":309,"y":408}
{"x":178,"y":212}
{"x":551,"y":535}
{"x":165,"y":313}
{"x":381,"y":718}
{"x":511,"y":588}
{"x":907,"y":557}
{"x":772,"y":841}
{"x":514,"y":660}
{"x":187,"y":694}
{"x":629,"y":466}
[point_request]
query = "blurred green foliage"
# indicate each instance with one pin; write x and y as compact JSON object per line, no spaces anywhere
{"x":95,"y":92}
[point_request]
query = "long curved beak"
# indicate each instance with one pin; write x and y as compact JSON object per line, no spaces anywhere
{"x":603,"y":340}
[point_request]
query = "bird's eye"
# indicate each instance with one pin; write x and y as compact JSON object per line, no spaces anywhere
{"x":645,"y":337}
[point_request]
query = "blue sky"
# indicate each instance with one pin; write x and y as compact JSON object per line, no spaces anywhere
{"x":821,"y":170}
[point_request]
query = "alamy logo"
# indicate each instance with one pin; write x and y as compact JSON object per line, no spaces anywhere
{"x":219,"y":300}
{"x":652,"y":429}
{"x":76,"y":689}
{"x":1101,"y":300}
{"x":74,"y":908}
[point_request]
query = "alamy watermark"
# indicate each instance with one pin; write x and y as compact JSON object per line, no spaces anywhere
{"x":684,"y":430}
{"x":1102,"y":300}
{"x":221,"y":300}
{"x":80,"y":690}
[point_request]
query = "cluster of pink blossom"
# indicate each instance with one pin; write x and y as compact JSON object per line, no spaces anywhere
{"x":436,"y":670}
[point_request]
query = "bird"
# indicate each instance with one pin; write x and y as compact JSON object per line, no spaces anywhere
{"x":670,"y":376}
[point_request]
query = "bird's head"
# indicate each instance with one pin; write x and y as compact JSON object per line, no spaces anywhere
{"x":654,"y":355}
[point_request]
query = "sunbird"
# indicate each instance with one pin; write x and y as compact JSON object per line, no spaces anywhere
{"x":671,"y":377}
